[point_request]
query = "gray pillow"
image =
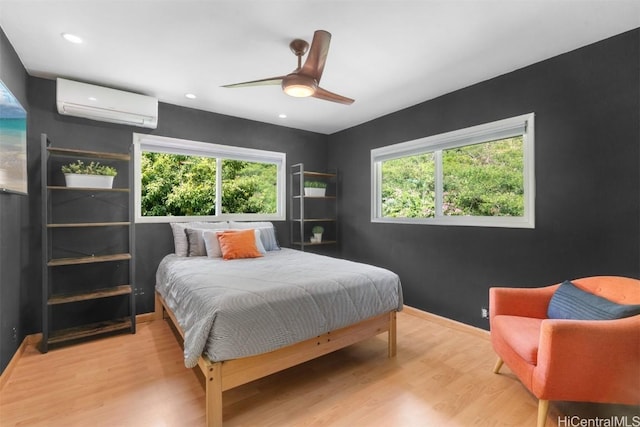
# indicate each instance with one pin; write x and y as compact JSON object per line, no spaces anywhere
{"x":195,"y":242}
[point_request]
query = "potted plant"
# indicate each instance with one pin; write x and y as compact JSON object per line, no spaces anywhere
{"x":315,"y":188}
{"x":317,"y":234}
{"x":92,"y":175}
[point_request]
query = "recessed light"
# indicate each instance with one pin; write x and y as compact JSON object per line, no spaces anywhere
{"x":190,"y":96}
{"x":92,"y":98}
{"x":72,"y":38}
{"x":282,"y":116}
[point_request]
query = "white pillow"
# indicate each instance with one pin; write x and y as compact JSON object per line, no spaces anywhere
{"x":250,"y":224}
{"x":180,"y":241}
{"x":212,"y":245}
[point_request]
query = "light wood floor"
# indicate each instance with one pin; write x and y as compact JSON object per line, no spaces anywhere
{"x":442,"y":376}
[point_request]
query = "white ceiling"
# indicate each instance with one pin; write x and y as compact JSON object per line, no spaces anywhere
{"x":386,"y":54}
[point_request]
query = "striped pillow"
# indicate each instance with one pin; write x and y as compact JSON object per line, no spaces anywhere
{"x":571,"y":302}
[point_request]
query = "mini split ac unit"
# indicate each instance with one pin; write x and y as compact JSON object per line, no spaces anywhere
{"x":105,"y":104}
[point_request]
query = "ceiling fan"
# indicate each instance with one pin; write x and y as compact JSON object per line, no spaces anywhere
{"x":304,"y":80}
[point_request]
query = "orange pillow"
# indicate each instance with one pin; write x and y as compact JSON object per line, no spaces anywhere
{"x":238,"y":244}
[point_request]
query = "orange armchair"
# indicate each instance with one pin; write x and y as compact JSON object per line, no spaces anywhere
{"x":570,"y":360}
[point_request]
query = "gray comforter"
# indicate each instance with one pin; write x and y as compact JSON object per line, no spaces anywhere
{"x":239,"y":308}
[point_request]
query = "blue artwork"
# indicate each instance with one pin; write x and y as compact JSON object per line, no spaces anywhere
{"x":13,"y":143}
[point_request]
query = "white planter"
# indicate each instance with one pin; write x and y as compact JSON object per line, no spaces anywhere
{"x":318,"y":237}
{"x":314,"y":192}
{"x":88,"y":181}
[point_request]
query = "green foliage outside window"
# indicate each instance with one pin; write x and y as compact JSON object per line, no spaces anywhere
{"x":484,"y":179}
{"x":478,"y":180}
{"x":181,"y":185}
{"x":408,"y":187}
{"x":248,"y":187}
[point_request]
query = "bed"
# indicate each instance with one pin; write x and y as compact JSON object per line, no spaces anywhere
{"x":247,"y":318}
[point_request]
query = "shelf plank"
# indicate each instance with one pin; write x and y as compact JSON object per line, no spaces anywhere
{"x":89,"y":330}
{"x":63,"y":188}
{"x":84,"y":296}
{"x":88,"y":224}
{"x":70,"y":152}
{"x":88,"y":259}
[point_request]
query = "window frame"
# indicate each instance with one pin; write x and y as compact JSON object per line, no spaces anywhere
{"x":520,"y":125}
{"x":163,"y":144}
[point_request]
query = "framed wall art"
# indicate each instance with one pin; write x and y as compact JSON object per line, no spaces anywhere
{"x":13,"y":143}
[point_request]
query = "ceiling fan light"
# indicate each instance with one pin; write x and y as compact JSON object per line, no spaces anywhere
{"x":299,"y":85}
{"x":299,"y":91}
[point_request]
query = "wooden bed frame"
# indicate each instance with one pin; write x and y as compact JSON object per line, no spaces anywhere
{"x":225,"y":375}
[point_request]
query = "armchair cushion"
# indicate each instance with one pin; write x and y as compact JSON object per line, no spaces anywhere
{"x":571,"y":302}
{"x":525,"y":342}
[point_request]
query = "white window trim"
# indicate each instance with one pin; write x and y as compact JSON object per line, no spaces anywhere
{"x":520,"y":125}
{"x":142,"y":142}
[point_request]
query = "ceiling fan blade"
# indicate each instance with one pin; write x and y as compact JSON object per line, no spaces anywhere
{"x":262,"y":82}
{"x":330,"y":96}
{"x":314,"y":65}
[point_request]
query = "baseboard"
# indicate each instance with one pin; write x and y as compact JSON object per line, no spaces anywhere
{"x":444,"y":321}
{"x":145,"y":317}
{"x":33,"y":339}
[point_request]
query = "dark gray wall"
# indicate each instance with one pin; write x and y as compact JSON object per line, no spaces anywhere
{"x":587,"y":183}
{"x":13,"y":227}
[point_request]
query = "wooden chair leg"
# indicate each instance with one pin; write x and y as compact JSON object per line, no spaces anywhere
{"x":543,"y":410}
{"x":498,"y":365}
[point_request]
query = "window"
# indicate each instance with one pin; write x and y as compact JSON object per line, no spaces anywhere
{"x":478,"y":176}
{"x":181,"y":180}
